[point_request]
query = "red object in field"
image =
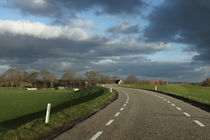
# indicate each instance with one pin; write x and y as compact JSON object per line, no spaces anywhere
{"x":155,"y":83}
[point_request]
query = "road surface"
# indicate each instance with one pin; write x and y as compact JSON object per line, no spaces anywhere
{"x":139,"y":114}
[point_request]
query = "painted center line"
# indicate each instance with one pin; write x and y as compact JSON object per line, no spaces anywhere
{"x":178,"y":108}
{"x":121,"y":109}
{"x":126,"y":95}
{"x":109,"y":122}
{"x":117,"y":114}
{"x":188,"y":115}
{"x":173,"y":104}
{"x":199,"y":123}
{"x":169,"y":102}
{"x":124,"y":105}
{"x":164,"y":99}
{"x":96,"y":135}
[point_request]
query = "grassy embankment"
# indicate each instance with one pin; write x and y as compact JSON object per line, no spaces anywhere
{"x":195,"y":93}
{"x":23,"y":112}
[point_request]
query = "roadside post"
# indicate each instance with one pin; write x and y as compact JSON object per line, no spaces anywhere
{"x":48,"y":113}
{"x":111,"y":90}
{"x":155,"y":87}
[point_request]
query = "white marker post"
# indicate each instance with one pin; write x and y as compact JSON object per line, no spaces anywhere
{"x":111,"y":90}
{"x":155,"y":87}
{"x":48,"y":113}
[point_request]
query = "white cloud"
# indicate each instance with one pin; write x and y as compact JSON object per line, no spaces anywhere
{"x":134,"y":44}
{"x":42,"y":31}
{"x":41,"y":2}
{"x":83,"y":24}
{"x":3,"y":68}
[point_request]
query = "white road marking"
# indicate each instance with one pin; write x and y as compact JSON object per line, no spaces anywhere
{"x":199,"y":123}
{"x":121,"y":109}
{"x":96,"y":135}
{"x":161,"y":97}
{"x":178,"y":108}
{"x":164,"y":99}
{"x":126,"y":102}
{"x":173,"y":104}
{"x":117,"y":114}
{"x":124,"y":105}
{"x":188,"y":115}
{"x":169,"y":102}
{"x":126,"y":95}
{"x":109,"y":122}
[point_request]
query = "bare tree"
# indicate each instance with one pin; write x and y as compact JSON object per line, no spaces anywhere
{"x":69,"y":77}
{"x":33,"y":77}
{"x":92,"y":77}
{"x":105,"y":79}
{"x":131,"y":79}
{"x":13,"y":77}
{"x":206,"y":82}
{"x":47,"y":76}
{"x":79,"y":82}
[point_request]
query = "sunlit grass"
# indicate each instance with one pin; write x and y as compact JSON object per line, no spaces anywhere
{"x":196,"y":93}
{"x":84,"y":102}
{"x":16,"y":102}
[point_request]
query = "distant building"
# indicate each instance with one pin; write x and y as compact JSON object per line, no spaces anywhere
{"x":118,"y":81}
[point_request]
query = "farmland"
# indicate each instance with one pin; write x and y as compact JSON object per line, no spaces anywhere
{"x":26,"y":109}
{"x":15,"y":103}
{"x":195,"y":93}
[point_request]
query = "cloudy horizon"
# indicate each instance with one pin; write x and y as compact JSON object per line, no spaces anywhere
{"x":152,"y":39}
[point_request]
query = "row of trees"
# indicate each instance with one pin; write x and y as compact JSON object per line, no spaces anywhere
{"x":206,"y":82}
{"x":46,"y":79}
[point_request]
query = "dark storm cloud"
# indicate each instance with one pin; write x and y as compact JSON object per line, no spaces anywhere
{"x":58,"y":8}
{"x":149,"y":70}
{"x":27,"y":49}
{"x":29,"y":45}
{"x":182,"y":21}
{"x":97,"y":53}
{"x":124,"y":28}
{"x":36,"y":7}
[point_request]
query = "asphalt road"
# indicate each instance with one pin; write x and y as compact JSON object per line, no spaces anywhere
{"x":139,"y":114}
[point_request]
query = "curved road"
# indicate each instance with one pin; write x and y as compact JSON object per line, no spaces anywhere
{"x":139,"y":114}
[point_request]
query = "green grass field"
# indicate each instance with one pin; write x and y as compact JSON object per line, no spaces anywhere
{"x":16,"y":102}
{"x":66,"y":107}
{"x":196,"y":93}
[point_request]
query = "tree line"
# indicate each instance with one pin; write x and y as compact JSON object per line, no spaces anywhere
{"x":206,"y":82}
{"x":46,"y":79}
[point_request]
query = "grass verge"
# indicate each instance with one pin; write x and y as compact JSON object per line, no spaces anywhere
{"x":88,"y":100}
{"x":194,"y":93}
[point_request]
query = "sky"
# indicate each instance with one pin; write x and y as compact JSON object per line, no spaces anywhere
{"x":153,"y":39}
